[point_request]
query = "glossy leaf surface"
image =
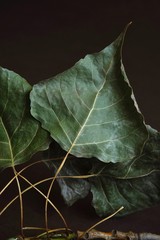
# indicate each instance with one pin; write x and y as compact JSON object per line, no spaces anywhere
{"x":20,"y":134}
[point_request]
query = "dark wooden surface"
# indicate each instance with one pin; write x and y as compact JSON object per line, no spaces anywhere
{"x":39,"y":39}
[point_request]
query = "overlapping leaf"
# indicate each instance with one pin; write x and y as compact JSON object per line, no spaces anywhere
{"x":20,"y":134}
{"x":90,"y":109}
{"x":72,"y":189}
{"x":134,"y":184}
{"x":134,"y":194}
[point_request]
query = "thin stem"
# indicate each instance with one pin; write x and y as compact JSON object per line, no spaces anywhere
{"x":96,"y":224}
{"x":50,"y":231}
{"x":50,"y":188}
{"x":7,"y":185}
{"x":20,"y":201}
{"x":25,"y":190}
{"x":42,"y":181}
{"x":56,"y":209}
{"x":25,"y":168}
{"x":54,"y":231}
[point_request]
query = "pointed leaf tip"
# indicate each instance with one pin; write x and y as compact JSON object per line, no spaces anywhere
{"x":121,"y":37}
{"x":89,"y":109}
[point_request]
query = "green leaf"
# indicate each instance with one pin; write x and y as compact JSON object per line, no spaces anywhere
{"x":20,"y":134}
{"x":134,"y":185}
{"x":90,"y":109}
{"x":72,"y":189}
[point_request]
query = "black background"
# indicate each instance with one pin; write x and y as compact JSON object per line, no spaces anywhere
{"x":39,"y":39}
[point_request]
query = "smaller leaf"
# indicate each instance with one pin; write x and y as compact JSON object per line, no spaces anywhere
{"x":134,"y":184}
{"x":21,"y":135}
{"x":71,"y":189}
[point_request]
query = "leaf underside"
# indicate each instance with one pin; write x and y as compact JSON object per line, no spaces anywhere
{"x":20,"y":134}
{"x":90,"y":109}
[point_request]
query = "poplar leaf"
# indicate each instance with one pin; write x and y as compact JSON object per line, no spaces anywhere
{"x":90,"y":109}
{"x":20,"y":134}
{"x":133,"y":184}
{"x":72,"y":189}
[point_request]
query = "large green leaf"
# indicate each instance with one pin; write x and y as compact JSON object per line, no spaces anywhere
{"x":134,"y":184}
{"x":90,"y":109}
{"x":20,"y":134}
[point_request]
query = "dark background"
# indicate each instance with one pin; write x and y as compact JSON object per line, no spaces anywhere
{"x":39,"y":39}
